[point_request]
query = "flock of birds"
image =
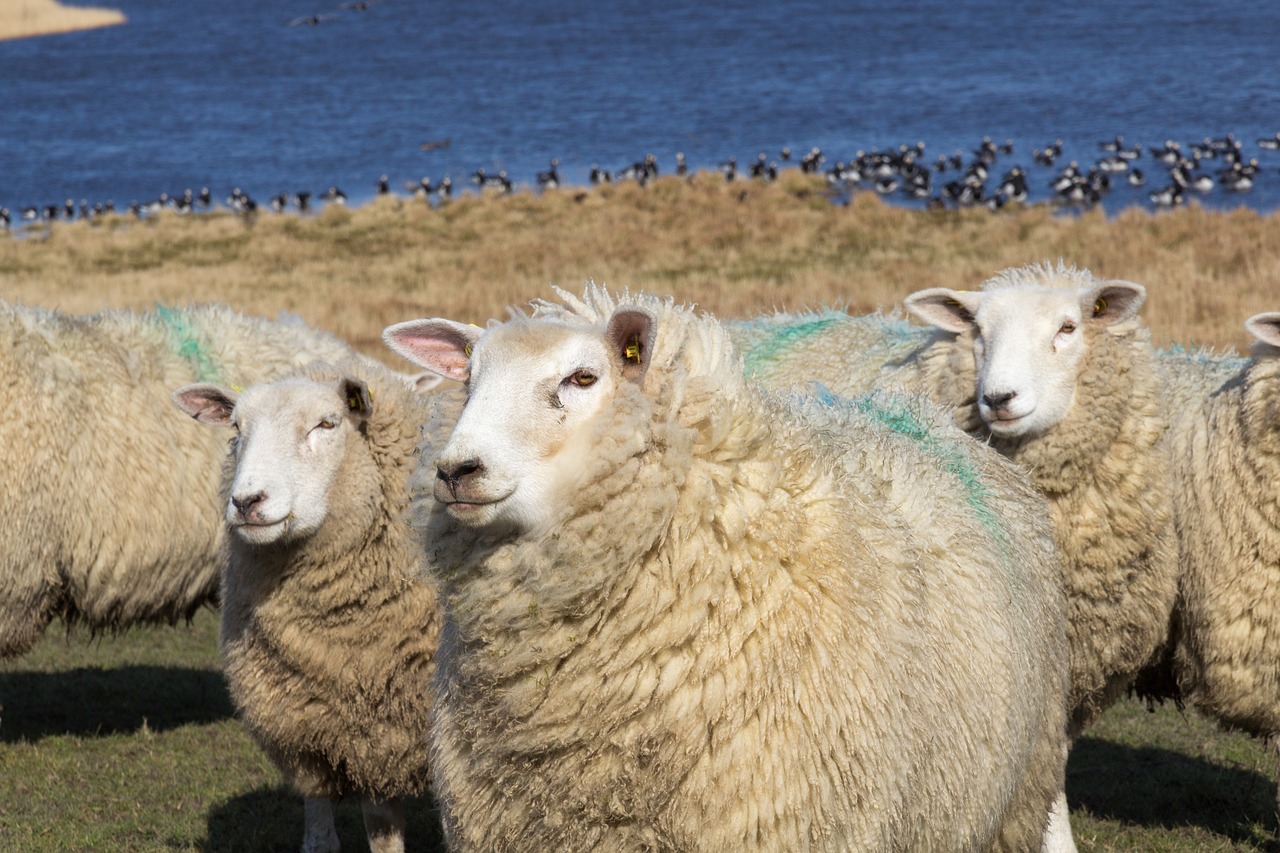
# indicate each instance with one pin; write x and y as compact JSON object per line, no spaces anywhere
{"x":950,"y":181}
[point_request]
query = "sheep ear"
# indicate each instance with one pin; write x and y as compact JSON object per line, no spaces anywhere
{"x":949,"y":310}
{"x":207,"y":403}
{"x":441,"y":346}
{"x":630,"y":335}
{"x":1114,"y":302}
{"x":357,"y":397}
{"x":1265,"y":327}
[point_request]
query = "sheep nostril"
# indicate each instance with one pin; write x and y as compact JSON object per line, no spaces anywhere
{"x":245,"y":503}
{"x":995,"y":401}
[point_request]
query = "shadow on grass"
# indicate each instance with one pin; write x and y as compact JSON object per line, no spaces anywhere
{"x":1149,"y":786}
{"x":96,"y":701}
{"x":270,"y":820}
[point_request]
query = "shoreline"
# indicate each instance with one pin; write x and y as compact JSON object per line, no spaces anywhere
{"x":30,"y":18}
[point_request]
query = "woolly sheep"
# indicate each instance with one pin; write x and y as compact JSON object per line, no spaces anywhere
{"x":1226,"y":465}
{"x":329,"y":624}
{"x":110,"y":507}
{"x":1051,"y":367}
{"x":682,"y":612}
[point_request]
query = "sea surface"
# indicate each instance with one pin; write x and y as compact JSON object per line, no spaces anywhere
{"x":226,"y":93}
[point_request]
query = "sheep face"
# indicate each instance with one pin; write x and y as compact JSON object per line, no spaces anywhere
{"x":1028,"y":343}
{"x":534,"y":388}
{"x":291,"y":436}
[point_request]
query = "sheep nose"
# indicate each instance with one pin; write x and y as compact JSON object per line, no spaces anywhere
{"x":453,"y":473}
{"x":244,"y":504}
{"x":997,"y":401}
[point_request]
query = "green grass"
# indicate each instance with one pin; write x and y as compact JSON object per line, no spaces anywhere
{"x":130,"y":743}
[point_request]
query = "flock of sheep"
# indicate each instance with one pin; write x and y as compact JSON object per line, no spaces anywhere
{"x":643,"y":579}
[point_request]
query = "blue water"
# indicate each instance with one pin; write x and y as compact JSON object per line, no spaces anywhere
{"x":224,"y":93}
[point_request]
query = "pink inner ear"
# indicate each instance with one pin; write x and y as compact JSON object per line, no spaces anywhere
{"x":438,"y":345}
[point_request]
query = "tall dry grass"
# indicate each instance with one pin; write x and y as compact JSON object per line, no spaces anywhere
{"x":734,"y":249}
{"x":23,"y":18}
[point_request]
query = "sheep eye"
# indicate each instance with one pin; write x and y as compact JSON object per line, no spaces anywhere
{"x":1067,"y":328}
{"x":583,"y":378}
{"x":327,"y":423}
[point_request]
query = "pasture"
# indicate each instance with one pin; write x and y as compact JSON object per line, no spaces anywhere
{"x":129,"y":742}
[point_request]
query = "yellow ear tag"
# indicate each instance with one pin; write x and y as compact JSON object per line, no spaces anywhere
{"x":1099,"y":306}
{"x":632,"y":352}
{"x":237,"y":389}
{"x":467,"y":350}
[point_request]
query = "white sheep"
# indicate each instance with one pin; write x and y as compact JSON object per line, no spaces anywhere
{"x":329,"y":623}
{"x":1225,"y":443}
{"x":1052,"y":368}
{"x":109,"y":515}
{"x":682,"y":612}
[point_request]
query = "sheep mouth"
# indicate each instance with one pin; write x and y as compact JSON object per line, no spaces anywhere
{"x":258,"y":531}
{"x":467,"y":507}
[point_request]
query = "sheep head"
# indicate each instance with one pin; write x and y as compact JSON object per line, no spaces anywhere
{"x":290,"y":439}
{"x":1030,"y":336}
{"x":534,"y":388}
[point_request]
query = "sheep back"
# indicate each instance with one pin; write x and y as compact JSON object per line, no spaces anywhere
{"x":111,"y":513}
{"x":329,"y":644}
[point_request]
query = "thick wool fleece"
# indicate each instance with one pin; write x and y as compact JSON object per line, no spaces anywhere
{"x":110,"y":514}
{"x":754,"y":628}
{"x":1226,"y":465}
{"x":1104,"y":470}
{"x":329,"y":643}
{"x":788,"y":350}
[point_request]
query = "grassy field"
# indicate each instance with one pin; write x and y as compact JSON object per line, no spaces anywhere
{"x":129,"y":743}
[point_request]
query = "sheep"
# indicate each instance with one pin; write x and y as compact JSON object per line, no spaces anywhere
{"x":1225,"y":450}
{"x":684,"y":612}
{"x":329,"y":624}
{"x":1051,"y":367}
{"x":109,"y":517}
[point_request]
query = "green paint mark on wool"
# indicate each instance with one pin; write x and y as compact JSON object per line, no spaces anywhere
{"x":899,"y":418}
{"x":183,"y":340}
{"x":782,"y":339}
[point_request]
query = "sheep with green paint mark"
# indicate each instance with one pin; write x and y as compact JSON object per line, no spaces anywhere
{"x":1052,"y":367}
{"x":110,"y":511}
{"x":686,"y":613}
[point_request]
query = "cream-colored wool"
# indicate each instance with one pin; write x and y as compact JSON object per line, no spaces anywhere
{"x":761,"y":624}
{"x":1103,"y":468}
{"x":329,"y":621}
{"x":786,"y":350}
{"x":1226,"y":466}
{"x":110,"y":511}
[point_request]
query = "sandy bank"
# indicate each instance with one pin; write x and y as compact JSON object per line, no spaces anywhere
{"x":24,"y":18}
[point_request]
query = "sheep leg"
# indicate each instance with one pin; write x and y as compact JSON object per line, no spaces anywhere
{"x":384,"y":824}
{"x":1057,"y":835}
{"x":319,"y":835}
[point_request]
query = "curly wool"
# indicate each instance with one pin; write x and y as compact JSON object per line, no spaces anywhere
{"x":1104,"y":470}
{"x":329,"y":643}
{"x":1226,"y":464}
{"x":753,"y":628}
{"x":784,"y":350}
{"x":110,"y":514}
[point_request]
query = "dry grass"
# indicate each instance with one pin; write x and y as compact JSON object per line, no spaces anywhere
{"x":24,"y":18}
{"x":733,"y":249}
